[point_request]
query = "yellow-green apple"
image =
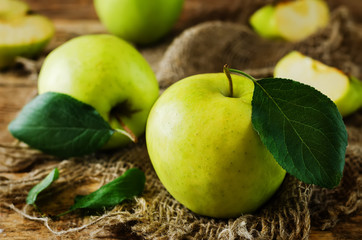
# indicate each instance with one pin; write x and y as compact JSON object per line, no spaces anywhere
{"x":204,"y":149}
{"x":139,"y":21}
{"x":290,"y":20}
{"x":22,"y":34}
{"x":107,"y":73}
{"x":344,"y":91}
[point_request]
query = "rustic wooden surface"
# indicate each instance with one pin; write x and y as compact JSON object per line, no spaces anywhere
{"x":79,"y":17}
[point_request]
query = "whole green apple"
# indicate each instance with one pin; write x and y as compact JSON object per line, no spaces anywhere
{"x":204,"y":149}
{"x":22,"y":34}
{"x":107,"y":73}
{"x":138,"y":21}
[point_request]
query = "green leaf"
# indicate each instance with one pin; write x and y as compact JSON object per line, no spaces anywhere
{"x":302,"y":128}
{"x":60,"y":125}
{"x":46,"y":182}
{"x":127,"y":186}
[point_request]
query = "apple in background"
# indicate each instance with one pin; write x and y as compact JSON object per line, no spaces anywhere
{"x":22,"y":34}
{"x":344,"y":91}
{"x":107,"y":73}
{"x":139,"y":21}
{"x":290,"y":20}
{"x":204,"y":149}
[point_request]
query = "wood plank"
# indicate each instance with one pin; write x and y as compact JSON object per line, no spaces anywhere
{"x":195,"y":9}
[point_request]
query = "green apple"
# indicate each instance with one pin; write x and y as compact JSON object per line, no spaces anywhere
{"x":107,"y":73}
{"x":344,"y":91}
{"x":204,"y":149}
{"x":21,"y":34}
{"x":139,"y":21}
{"x":291,"y":20}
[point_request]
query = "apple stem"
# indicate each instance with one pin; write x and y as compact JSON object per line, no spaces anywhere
{"x":126,"y":130}
{"x":228,"y":75}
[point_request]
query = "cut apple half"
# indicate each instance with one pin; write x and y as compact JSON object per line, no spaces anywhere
{"x":21,"y":35}
{"x":292,"y":21}
{"x":344,"y":91}
{"x":296,"y":20}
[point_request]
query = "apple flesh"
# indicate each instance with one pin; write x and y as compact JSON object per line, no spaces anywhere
{"x":107,"y":73}
{"x":139,"y":21}
{"x":291,"y":20}
{"x":344,"y":91}
{"x":21,"y":34}
{"x":205,"y":151}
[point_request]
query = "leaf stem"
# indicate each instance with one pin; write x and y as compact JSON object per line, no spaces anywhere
{"x":242,"y":73}
{"x":227,"y":73}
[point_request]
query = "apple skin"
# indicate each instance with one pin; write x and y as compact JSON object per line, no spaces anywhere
{"x":205,"y":151}
{"x":352,"y":99}
{"x":264,"y":22}
{"x":107,"y":73}
{"x":138,"y":21}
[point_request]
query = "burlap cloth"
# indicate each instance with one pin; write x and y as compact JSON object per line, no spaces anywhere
{"x":156,"y":215}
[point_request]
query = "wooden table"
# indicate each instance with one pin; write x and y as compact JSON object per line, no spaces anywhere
{"x":79,"y":17}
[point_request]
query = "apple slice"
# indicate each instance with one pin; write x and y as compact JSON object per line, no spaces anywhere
{"x":21,"y":34}
{"x":299,"y":19}
{"x":344,"y":91}
{"x":290,"y":20}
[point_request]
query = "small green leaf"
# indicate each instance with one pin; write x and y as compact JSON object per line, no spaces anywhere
{"x":302,"y":128}
{"x":46,"y":182}
{"x":60,"y":125}
{"x":127,"y":186}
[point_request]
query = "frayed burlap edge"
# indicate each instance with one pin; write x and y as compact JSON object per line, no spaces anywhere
{"x":155,"y":214}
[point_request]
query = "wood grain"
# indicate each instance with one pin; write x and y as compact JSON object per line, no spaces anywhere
{"x":79,"y":17}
